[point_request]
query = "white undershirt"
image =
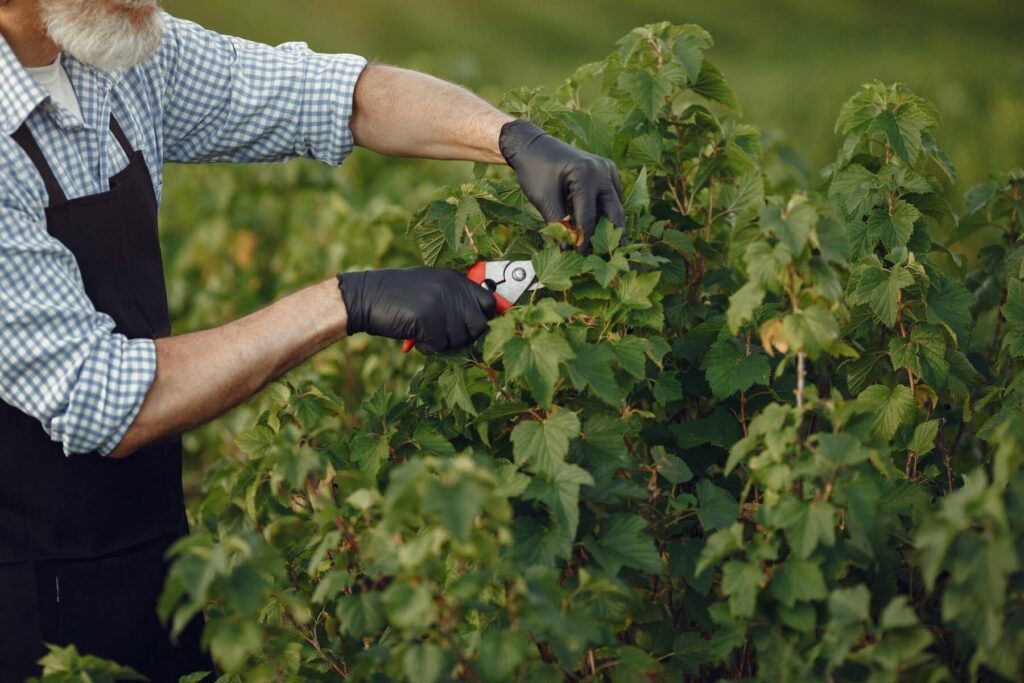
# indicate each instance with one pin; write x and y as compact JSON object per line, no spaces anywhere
{"x":55,"y":79}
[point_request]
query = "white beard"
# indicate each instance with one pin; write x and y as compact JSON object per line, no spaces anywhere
{"x":110,"y":35}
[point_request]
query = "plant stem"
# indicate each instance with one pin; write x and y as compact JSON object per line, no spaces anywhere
{"x":800,"y":379}
{"x":743,"y":412}
{"x":947,"y":456}
{"x":903,"y":333}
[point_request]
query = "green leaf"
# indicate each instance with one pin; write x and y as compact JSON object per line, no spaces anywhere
{"x":766,"y":265}
{"x":647,"y":91}
{"x":409,"y":608}
{"x":625,"y":542}
{"x":850,"y":606}
{"x":635,"y":666}
{"x":1013,"y":342}
{"x":886,"y":123}
{"x":232,"y":643}
{"x":429,"y":440}
{"x":197,"y":677}
{"x":742,"y":581}
{"x":924,"y":353}
{"x":667,"y":388}
{"x":893,"y":230}
{"x":500,"y":330}
{"x":638,"y":200}
{"x":880,"y":289}
{"x":798,"y":581}
{"x":631,"y":352}
{"x":360,"y":614}
{"x":924,"y":437}
{"x":538,"y":545}
{"x":556,"y":268}
{"x":688,"y":49}
{"x":434,"y":230}
{"x":841,"y":449}
{"x":499,"y":655}
{"x":728,"y":372}
{"x":499,"y":411}
{"x":634,"y":290}
{"x":1014,"y":308}
{"x":605,"y":271}
{"x":560,"y":491}
{"x":892,"y":408}
{"x":980,"y":195}
{"x":719,"y":428}
{"x":949,"y":302}
{"x":720,"y":545}
{"x":369,"y":451}
{"x":807,"y":524}
{"x":536,"y":360}
{"x":801,"y":617}
{"x":711,"y":84}
{"x":256,"y":441}
{"x":742,"y":305}
{"x":592,"y":367}
{"x":670,"y":466}
{"x":543,"y":444}
{"x":602,"y":435}
{"x":66,"y":665}
{"x":856,"y":113}
{"x":457,"y":504}
{"x":813,"y":329}
{"x":898,"y":614}
{"x":856,"y":187}
{"x":644,"y":149}
{"x":246,"y":590}
{"x":792,"y":224}
{"x":716,"y":507}
{"x":606,"y":237}
{"x":423,"y":663}
{"x":931,"y":347}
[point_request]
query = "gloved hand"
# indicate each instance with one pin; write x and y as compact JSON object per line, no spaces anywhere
{"x":550,"y":170}
{"x":440,"y":309}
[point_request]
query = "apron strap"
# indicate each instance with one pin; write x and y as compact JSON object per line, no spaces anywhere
{"x":122,"y":139}
{"x":28,"y":143}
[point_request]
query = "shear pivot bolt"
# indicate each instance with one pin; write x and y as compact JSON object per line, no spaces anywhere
{"x":518,"y":274}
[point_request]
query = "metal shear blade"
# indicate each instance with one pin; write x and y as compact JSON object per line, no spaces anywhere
{"x":512,"y":279}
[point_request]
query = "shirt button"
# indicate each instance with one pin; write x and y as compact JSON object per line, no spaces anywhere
{"x":48,"y":106}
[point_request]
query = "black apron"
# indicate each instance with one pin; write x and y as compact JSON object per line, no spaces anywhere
{"x":82,"y":538}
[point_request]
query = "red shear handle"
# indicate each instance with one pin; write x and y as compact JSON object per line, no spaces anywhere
{"x":476,"y":274}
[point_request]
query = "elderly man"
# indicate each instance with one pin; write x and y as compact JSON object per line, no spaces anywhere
{"x":95,"y":95}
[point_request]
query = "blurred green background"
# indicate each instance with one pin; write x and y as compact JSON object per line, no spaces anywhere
{"x":791,"y":62}
{"x":236,"y":238}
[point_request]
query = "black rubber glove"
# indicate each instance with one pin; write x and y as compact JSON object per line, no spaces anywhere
{"x":440,"y":309}
{"x":550,"y":171}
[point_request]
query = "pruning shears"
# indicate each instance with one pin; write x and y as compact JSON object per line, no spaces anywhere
{"x":507,"y":280}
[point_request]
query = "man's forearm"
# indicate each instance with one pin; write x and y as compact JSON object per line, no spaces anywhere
{"x":406,"y":113}
{"x":203,"y":374}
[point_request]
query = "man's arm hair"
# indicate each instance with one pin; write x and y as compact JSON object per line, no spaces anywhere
{"x":406,"y":113}
{"x":201,"y":375}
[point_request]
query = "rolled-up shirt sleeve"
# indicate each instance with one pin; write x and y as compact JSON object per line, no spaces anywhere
{"x":234,"y":100}
{"x":60,"y":360}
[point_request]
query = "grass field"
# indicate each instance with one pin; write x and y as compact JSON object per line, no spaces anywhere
{"x":792,"y":62}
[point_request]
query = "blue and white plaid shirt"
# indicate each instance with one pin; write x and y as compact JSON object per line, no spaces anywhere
{"x":202,"y":97}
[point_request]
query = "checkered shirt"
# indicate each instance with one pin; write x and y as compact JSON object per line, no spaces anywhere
{"x":202,"y":97}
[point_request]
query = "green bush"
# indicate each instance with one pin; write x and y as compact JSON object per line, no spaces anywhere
{"x":776,"y":436}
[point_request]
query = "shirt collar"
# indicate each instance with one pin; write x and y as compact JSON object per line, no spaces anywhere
{"x":20,"y":94}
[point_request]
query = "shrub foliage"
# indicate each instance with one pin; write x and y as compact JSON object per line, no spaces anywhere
{"x":773,"y":434}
